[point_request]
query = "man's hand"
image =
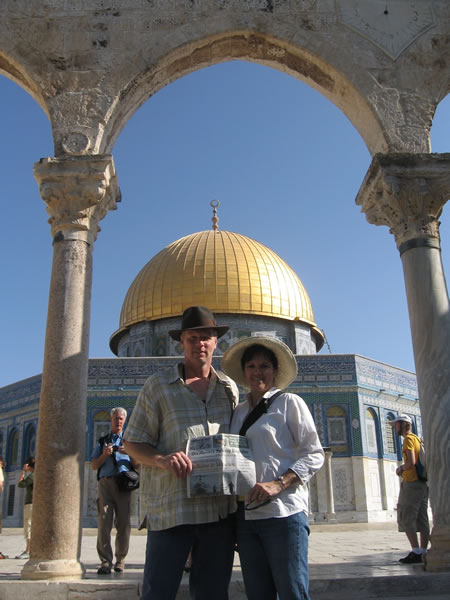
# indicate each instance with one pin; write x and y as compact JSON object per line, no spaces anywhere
{"x":148,"y":455}
{"x":108,"y":449}
{"x":178,"y":463}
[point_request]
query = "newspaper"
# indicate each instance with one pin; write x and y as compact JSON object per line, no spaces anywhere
{"x":222,"y":465}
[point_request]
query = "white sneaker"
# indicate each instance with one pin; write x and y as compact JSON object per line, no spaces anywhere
{"x":24,"y":555}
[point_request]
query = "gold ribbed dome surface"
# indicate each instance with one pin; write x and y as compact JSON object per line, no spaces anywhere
{"x":225,"y":271}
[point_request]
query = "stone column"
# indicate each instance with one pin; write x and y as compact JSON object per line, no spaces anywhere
{"x":78,"y":193}
{"x":407,"y":192}
{"x":331,"y":514}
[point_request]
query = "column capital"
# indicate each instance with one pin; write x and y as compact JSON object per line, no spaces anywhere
{"x":407,"y":192}
{"x":78,"y":192}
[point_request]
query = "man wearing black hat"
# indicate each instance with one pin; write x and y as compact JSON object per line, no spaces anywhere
{"x":185,"y":401}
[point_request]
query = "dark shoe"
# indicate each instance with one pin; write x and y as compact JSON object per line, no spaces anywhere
{"x":119,"y":567}
{"x":411,"y":558}
{"x":104,"y":570}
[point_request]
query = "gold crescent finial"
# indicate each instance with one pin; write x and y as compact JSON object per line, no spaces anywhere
{"x":215,"y":205}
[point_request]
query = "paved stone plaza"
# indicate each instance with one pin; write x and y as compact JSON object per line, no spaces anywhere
{"x":346,"y":561}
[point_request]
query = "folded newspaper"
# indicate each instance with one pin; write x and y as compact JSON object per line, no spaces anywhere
{"x":222,"y":465}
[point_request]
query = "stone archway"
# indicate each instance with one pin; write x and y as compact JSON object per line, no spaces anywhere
{"x":91,"y":68}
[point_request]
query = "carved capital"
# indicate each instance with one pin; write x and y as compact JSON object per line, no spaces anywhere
{"x":407,"y":192}
{"x":78,"y":193}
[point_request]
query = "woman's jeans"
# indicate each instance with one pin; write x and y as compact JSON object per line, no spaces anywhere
{"x":212,"y":551}
{"x":274,"y":556}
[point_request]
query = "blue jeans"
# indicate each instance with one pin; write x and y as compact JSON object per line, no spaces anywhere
{"x":274,"y":557}
{"x":212,"y":553}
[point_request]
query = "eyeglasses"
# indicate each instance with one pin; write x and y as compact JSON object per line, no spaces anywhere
{"x":253,"y":506}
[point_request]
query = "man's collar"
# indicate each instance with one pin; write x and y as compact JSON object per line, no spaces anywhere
{"x":176,"y":373}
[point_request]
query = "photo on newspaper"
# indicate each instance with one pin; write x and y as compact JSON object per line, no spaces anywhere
{"x":222,"y":465}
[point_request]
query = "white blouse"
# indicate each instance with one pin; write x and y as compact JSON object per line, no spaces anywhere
{"x":283,"y":438}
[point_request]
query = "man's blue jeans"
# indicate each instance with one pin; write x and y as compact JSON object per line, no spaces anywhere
{"x":274,"y":557}
{"x":212,"y":552}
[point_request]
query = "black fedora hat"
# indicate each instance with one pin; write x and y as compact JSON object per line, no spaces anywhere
{"x":197,"y":317}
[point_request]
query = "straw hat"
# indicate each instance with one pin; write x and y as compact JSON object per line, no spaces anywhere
{"x":287,"y":365}
{"x":197,"y":317}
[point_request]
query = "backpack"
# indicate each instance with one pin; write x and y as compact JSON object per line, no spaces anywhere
{"x":421,"y":464}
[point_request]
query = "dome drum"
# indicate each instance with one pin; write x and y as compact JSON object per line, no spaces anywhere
{"x":152,"y":339}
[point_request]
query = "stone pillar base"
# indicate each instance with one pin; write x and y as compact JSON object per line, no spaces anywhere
{"x":438,"y":556}
{"x":53,"y":569}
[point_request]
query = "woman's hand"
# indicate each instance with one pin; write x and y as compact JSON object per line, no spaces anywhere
{"x":263,"y":491}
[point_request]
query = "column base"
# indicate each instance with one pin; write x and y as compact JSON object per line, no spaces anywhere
{"x":438,"y":557}
{"x":60,"y":569}
{"x":331,"y":517}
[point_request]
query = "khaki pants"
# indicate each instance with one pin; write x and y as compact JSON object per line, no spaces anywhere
{"x":113,"y":508}
{"x":27,"y":512}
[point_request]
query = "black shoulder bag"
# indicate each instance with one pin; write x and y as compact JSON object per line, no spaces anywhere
{"x":127,"y":481}
{"x":260,"y":409}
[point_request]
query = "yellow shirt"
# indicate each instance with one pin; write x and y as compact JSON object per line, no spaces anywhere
{"x":410,"y":442}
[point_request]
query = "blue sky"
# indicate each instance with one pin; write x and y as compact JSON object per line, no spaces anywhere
{"x":286,"y":166}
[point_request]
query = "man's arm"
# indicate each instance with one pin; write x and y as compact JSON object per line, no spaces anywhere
{"x":409,"y":462}
{"x":148,"y":455}
{"x":107,"y":451}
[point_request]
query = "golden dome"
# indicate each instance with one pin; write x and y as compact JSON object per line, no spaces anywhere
{"x":225,"y":271}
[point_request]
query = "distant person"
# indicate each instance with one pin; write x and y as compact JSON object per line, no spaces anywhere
{"x":2,"y":466}
{"x":272,"y":524}
{"x":26,"y":481}
{"x":412,"y":507}
{"x":188,"y":400}
{"x":113,"y":504}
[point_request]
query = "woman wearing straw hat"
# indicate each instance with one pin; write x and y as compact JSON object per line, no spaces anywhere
{"x":272,"y":523}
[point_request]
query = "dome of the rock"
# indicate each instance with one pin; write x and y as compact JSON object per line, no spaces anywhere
{"x":226,"y":271}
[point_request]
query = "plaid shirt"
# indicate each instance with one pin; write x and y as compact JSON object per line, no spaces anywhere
{"x":166,"y":415}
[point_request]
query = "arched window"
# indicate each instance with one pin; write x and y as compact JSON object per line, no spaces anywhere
{"x":392,"y":444}
{"x":29,"y":443}
{"x":371,"y":431}
{"x":102,"y":426}
{"x":336,"y":417}
{"x":13,"y":447}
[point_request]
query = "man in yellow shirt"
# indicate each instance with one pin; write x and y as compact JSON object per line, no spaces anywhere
{"x":412,"y":507}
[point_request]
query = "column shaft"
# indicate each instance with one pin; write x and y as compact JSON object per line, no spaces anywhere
{"x":78,"y":193}
{"x":406,"y":192}
{"x":62,"y":416}
{"x":428,"y":306}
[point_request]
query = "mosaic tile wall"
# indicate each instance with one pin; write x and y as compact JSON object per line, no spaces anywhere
{"x":349,"y":382}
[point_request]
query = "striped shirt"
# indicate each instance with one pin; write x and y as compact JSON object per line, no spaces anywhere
{"x":166,"y":415}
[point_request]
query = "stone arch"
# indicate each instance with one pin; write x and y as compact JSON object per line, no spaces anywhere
{"x":252,"y":47}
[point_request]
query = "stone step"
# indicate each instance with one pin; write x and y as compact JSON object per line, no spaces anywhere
{"x":426,"y":585}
